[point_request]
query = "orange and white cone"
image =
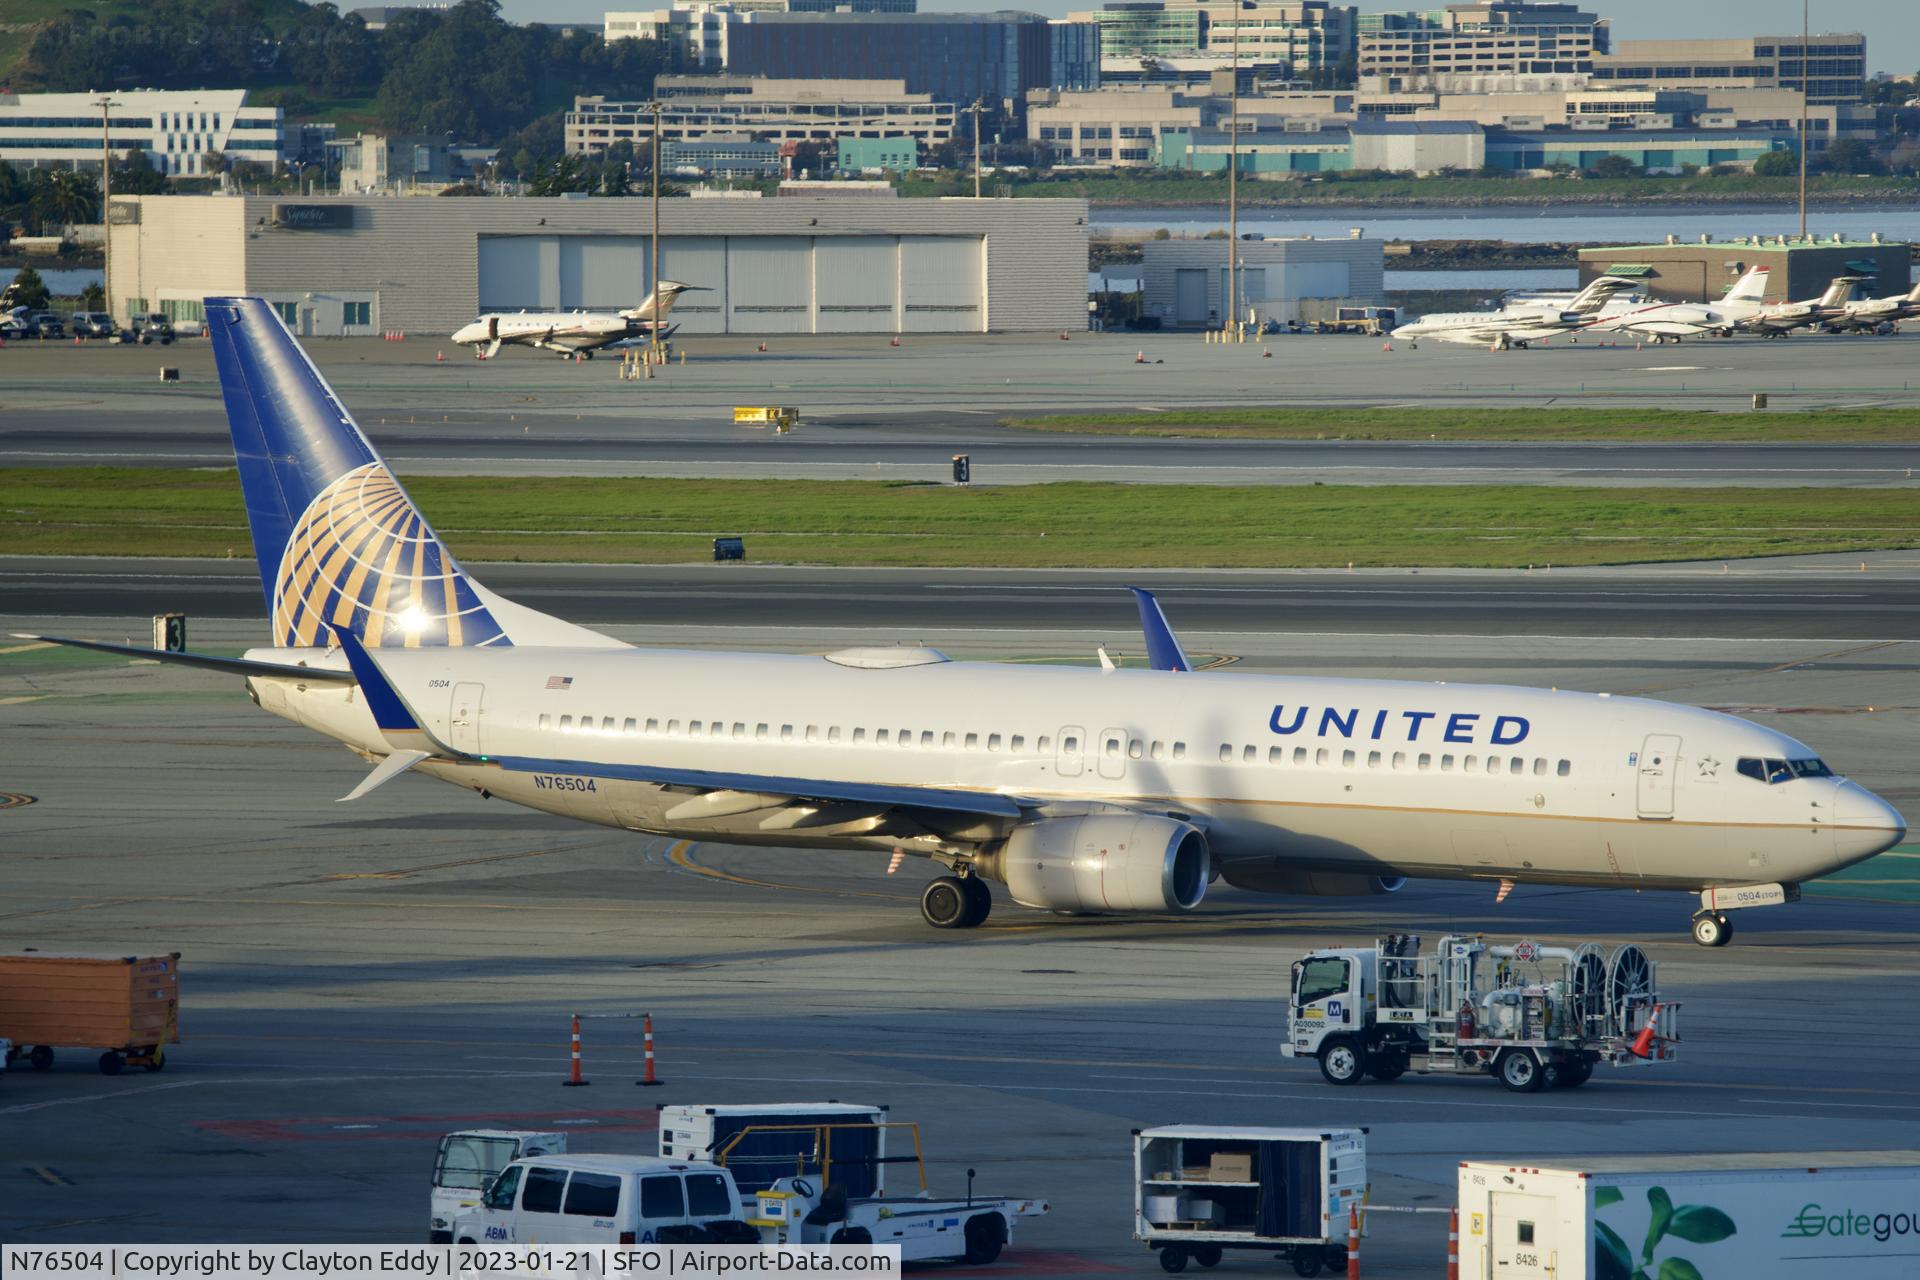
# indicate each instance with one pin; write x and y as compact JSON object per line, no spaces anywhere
{"x":649,"y":1079}
{"x":1642,"y":1046}
{"x":574,"y":1079}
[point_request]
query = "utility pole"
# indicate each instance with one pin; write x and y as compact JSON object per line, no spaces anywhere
{"x":1233,"y":183}
{"x":976,"y":108}
{"x":1806,"y":36}
{"x":654,"y":335}
{"x":106,"y":198}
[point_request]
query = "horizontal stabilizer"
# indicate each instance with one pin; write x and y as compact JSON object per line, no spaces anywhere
{"x":384,"y":772}
{"x":206,"y":661}
{"x":1163,"y":647}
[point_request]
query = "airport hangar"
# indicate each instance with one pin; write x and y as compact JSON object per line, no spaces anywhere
{"x":360,"y":265}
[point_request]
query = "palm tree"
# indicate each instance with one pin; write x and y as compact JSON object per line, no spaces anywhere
{"x":64,"y":198}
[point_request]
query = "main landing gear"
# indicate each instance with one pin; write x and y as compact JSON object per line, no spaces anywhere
{"x":1712,"y":929}
{"x":956,"y":902}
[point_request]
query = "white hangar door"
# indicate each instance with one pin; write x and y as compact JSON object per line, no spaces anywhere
{"x":769,"y":284}
{"x":602,"y":273}
{"x":942,"y":286}
{"x":519,"y":273}
{"x":856,"y":280}
{"x":700,"y":261}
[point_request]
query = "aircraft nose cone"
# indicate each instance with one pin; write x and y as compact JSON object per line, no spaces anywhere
{"x":1864,"y":824}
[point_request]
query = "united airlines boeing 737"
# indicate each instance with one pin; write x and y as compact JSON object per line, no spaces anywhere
{"x":1081,"y":790}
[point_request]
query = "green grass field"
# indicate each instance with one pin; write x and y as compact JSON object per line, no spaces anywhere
{"x":105,"y":511}
{"x":1832,"y":426}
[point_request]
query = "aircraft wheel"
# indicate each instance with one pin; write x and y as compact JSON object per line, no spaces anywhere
{"x":943,"y":903}
{"x":979,"y":901}
{"x":1712,"y":930}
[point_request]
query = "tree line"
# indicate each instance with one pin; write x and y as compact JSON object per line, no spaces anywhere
{"x":463,"y":70}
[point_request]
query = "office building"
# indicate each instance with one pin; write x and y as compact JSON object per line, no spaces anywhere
{"x":1398,"y":51}
{"x":177,"y":130}
{"x":1834,"y":67}
{"x":1113,"y":127}
{"x":876,"y":155}
{"x":992,"y":58}
{"x":781,"y":110}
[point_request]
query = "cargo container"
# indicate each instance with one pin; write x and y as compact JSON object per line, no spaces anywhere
{"x":128,"y":1007}
{"x":761,"y":1143}
{"x":1710,"y":1217}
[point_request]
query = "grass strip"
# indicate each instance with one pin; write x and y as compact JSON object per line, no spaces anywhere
{"x":1824,"y":426}
{"x":129,"y":511}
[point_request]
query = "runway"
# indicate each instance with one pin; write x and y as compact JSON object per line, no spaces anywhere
{"x":1814,"y":597}
{"x":871,"y":412}
{"x":358,"y":979}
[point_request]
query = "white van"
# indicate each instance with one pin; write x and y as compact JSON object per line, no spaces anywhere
{"x":466,"y":1165}
{"x":601,"y":1199}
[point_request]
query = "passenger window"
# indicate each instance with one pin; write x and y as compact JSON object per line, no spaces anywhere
{"x":566,"y":724}
{"x":1516,"y":766}
{"x":630,"y":727}
{"x":813,"y":733}
{"x":653,"y":727}
{"x":1346,"y":759}
{"x":1373,"y":759}
{"x":1320,"y":757}
{"x":760,"y":733}
{"x":1018,"y":742}
{"x":1446,"y":764}
{"x":544,"y":1188}
{"x":1526,"y":1233}
{"x":1044,"y":745}
{"x":1157,"y":750}
{"x":1493,"y":764}
{"x":1276,"y":755}
{"x":694,"y":727}
{"x":1539,"y":767}
{"x":1226,"y":753}
{"x":707,"y":1196}
{"x":859,"y":737}
{"x":881,"y":738}
{"x":926,"y":739}
{"x":1250,"y":754}
{"x":1565,"y":768}
{"x":660,"y":1198}
{"x":833,"y":733}
{"x":1469,"y":764}
{"x":606,"y":724}
{"x":1135,"y":748}
{"x":739,"y":730}
{"x":786,"y":733}
{"x":546,"y":721}
{"x":1399,"y":760}
{"x":1179,"y":751}
{"x":500,"y":1194}
{"x":1299,"y":755}
{"x":1426,"y":761}
{"x":948,"y":740}
{"x":593,"y":1195}
{"x":973,"y":742}
{"x":673,"y":728}
{"x":993,"y":742}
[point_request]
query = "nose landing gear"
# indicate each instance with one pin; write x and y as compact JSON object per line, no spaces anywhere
{"x":1712,"y":929}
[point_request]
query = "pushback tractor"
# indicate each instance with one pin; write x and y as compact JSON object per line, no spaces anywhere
{"x":1532,"y":1015}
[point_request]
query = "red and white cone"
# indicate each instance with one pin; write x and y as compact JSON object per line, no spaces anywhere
{"x":649,"y":1079}
{"x":574,"y":1079}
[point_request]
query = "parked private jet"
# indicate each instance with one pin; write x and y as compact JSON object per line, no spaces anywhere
{"x":1870,"y":315}
{"x":1518,"y":325}
{"x":575,"y":332}
{"x":1082,"y":790}
{"x":1672,"y":321}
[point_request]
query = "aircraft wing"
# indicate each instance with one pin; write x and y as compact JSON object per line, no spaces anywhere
{"x":1662,"y":328}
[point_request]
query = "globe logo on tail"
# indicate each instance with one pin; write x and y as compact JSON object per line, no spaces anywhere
{"x":363,"y":558}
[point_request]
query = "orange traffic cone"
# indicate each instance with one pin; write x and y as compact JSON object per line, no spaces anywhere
{"x":1266,"y":353}
{"x":895,"y":342}
{"x":1386,"y":346}
{"x":763,"y":346}
{"x":1140,"y":357}
{"x":1642,"y":1046}
{"x":1064,"y":337}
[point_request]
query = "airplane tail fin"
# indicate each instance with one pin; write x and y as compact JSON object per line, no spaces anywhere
{"x":339,"y":543}
{"x":660,"y":301}
{"x":1595,"y":295}
{"x":1838,"y":291}
{"x":1751,"y":287}
{"x":1913,"y":295}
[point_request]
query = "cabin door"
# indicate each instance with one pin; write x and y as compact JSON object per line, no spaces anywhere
{"x":1659,"y":760}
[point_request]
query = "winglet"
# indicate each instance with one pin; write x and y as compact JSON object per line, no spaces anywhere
{"x":1163,"y":647}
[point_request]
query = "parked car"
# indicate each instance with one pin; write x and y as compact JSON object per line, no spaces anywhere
{"x":151,"y":327}
{"x":45,"y":324}
{"x":92,"y":324}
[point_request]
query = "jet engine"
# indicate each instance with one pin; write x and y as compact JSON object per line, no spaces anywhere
{"x":1104,"y":862}
{"x":1309,"y":884}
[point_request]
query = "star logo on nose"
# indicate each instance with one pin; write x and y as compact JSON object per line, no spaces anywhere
{"x":1709,"y":767}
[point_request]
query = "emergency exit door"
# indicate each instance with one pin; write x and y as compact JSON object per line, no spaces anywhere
{"x":1113,"y":753}
{"x":1525,"y":1237}
{"x":1659,"y":759}
{"x":463,"y":718}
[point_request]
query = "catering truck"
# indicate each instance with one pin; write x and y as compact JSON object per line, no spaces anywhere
{"x":1529,"y":1014}
{"x":1704,"y":1217}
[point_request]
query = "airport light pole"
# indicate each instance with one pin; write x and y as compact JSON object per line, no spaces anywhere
{"x":1806,"y":36}
{"x":106,"y":104}
{"x":653,"y":336}
{"x":976,"y":109}
{"x":1233,"y":183}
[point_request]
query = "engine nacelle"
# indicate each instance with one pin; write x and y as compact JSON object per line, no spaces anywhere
{"x":1105,"y":862}
{"x":1309,"y":884}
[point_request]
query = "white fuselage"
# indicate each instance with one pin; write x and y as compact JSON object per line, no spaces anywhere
{"x":554,"y":330}
{"x":1285,"y":773}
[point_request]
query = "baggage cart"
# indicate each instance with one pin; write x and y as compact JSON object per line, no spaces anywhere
{"x":127,"y":1007}
{"x":1201,"y":1190}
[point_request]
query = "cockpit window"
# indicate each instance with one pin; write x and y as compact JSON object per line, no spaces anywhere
{"x":1777,"y":771}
